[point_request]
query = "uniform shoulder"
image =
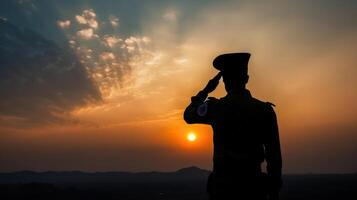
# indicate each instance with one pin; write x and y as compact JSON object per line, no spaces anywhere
{"x":212,"y":100}
{"x":266,"y":105}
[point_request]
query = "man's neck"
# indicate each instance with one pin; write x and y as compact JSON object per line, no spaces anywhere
{"x":238,"y":91}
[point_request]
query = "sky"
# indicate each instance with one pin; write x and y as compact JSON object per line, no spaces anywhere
{"x":102,"y":85}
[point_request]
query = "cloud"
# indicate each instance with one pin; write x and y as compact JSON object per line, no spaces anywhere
{"x":114,"y":21}
{"x":181,"y":61}
{"x":133,"y":44}
{"x":170,"y":15}
{"x":93,"y":23}
{"x":80,"y":19}
{"x":88,"y":17}
{"x":107,"y":56}
{"x":109,"y":59}
{"x":64,"y":23}
{"x":304,"y":62}
{"x":3,"y":18}
{"x":86,"y":34}
{"x":146,"y":39}
{"x":111,"y":41}
{"x":89,"y":13}
{"x":40,"y":83}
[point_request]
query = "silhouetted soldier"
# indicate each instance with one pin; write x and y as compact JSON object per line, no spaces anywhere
{"x":245,"y":133}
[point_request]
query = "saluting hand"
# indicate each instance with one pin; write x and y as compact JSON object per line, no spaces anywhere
{"x":212,"y":84}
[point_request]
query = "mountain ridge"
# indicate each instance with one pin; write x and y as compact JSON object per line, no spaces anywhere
{"x":184,"y":174}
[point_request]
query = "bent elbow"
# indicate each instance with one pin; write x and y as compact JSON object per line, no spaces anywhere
{"x":187,"y":117}
{"x":189,"y":121}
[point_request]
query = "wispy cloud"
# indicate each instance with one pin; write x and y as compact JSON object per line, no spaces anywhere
{"x":86,"y":33}
{"x":111,"y":41}
{"x":114,"y":21}
{"x":40,"y":83}
{"x":107,"y":57}
{"x":88,"y":17}
{"x":170,"y":15}
{"x":64,"y":23}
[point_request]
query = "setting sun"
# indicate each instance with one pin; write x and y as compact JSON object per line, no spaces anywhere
{"x":191,"y":137}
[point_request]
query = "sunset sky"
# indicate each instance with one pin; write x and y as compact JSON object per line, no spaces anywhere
{"x":102,"y":85}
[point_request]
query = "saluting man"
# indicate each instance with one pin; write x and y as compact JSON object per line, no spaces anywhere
{"x":245,"y":133}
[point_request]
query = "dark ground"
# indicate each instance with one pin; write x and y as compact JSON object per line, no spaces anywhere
{"x":185,"y":184}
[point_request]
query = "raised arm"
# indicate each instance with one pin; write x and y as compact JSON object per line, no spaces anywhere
{"x":199,"y":110}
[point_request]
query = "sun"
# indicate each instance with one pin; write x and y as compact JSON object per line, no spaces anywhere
{"x":191,"y":137}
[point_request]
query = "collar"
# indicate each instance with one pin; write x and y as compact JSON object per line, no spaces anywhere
{"x":244,"y":93}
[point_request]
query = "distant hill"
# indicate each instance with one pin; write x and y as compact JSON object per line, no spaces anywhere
{"x":184,"y":174}
{"x":184,"y":184}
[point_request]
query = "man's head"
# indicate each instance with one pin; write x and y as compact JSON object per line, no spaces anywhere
{"x":234,"y":69}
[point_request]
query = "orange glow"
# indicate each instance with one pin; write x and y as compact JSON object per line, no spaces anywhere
{"x":126,"y":113}
{"x":191,"y":137}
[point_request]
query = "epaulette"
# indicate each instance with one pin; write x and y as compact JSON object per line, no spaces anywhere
{"x":214,"y":99}
{"x":270,"y":104}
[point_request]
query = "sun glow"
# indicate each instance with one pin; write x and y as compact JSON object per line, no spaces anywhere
{"x":191,"y":137}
